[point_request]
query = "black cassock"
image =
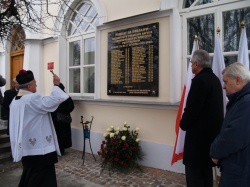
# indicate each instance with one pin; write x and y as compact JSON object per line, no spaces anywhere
{"x":39,"y":171}
{"x":63,"y":130}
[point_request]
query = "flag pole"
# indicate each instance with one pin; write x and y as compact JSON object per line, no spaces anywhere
{"x":243,"y":55}
{"x":218,"y":30}
{"x":180,"y":134}
{"x":217,"y":66}
{"x":242,"y":25}
{"x":196,"y":41}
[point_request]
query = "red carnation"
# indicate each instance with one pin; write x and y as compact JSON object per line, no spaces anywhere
{"x":126,"y":145}
{"x":134,"y":149}
{"x":6,"y":5}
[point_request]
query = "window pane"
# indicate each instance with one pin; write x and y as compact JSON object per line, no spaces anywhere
{"x":17,"y":39}
{"x":95,"y":21}
{"x":232,"y":32}
{"x":188,"y":3}
{"x":74,"y":80}
{"x":89,"y":80}
{"x":89,"y":51}
{"x":203,"y":27}
{"x":83,"y":9}
{"x":91,"y":14}
{"x":230,"y":59}
{"x":83,"y":20}
{"x":76,"y":20}
{"x":202,"y":2}
{"x":83,"y":25}
{"x":74,"y":53}
{"x":90,"y":28}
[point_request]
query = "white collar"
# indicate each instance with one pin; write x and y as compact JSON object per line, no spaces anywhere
{"x":23,"y":92}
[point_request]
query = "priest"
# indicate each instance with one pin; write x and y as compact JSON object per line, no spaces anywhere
{"x":32,"y":134}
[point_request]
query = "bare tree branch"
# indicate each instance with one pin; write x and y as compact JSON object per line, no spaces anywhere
{"x":31,"y":15}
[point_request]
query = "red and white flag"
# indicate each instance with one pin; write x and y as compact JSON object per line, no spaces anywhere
{"x":180,"y":134}
{"x":243,"y":57}
{"x":217,"y":66}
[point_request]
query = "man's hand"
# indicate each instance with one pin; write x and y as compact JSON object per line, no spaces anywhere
{"x":56,"y":79}
{"x":215,"y":161}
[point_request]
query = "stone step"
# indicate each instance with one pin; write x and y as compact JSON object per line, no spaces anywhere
{"x":3,"y":131}
{"x":5,"y":154}
{"x":5,"y":157}
{"x":3,"y":123}
{"x":4,"y":138}
{"x":4,"y":148}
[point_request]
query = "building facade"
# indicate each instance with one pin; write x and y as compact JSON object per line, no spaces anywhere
{"x":79,"y":47}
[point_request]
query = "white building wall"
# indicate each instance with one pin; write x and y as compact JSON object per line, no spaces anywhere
{"x":120,"y":9}
{"x":33,"y":60}
{"x":154,"y":116}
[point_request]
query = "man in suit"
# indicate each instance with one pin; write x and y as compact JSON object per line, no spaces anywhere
{"x":8,"y":97}
{"x":202,"y":119}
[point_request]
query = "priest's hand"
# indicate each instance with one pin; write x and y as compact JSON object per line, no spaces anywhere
{"x":56,"y":80}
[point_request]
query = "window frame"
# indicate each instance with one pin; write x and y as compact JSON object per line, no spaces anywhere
{"x":82,"y":36}
{"x":216,"y":8}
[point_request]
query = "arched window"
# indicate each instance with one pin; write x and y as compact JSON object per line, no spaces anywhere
{"x":81,"y":50}
{"x":17,"y":36}
{"x":17,"y":41}
{"x":202,"y":17}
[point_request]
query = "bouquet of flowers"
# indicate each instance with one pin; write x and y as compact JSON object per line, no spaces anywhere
{"x":121,"y":149}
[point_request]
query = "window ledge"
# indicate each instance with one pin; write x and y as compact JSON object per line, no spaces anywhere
{"x":127,"y":103}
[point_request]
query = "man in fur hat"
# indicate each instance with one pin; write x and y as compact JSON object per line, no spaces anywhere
{"x":32,"y":134}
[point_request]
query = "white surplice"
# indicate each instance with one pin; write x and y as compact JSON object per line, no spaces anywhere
{"x":31,"y":128}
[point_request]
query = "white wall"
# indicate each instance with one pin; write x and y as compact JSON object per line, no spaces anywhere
{"x":156,"y":155}
{"x":50,"y":53}
{"x":119,"y":9}
{"x":157,"y":129}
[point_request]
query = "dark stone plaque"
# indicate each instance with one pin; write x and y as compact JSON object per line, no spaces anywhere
{"x":133,"y":61}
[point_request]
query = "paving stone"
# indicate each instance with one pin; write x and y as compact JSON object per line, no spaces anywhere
{"x":71,"y":172}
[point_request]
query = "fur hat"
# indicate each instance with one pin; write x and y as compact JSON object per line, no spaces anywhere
{"x":24,"y":77}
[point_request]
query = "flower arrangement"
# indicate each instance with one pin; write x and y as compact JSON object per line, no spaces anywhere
{"x":121,"y":149}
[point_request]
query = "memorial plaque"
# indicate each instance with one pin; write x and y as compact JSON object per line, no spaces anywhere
{"x":133,"y":61}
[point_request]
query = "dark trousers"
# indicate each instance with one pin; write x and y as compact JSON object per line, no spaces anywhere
{"x":199,"y":177}
{"x":38,"y":176}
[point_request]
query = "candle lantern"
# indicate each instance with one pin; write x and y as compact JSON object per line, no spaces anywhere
{"x":86,"y":126}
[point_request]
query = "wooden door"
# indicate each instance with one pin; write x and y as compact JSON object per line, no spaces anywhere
{"x":16,"y":65}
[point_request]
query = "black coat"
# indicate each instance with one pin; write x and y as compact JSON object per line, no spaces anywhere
{"x":232,"y":145}
{"x":2,"y":83}
{"x":8,"y":97}
{"x":202,"y":118}
{"x":63,"y":130}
